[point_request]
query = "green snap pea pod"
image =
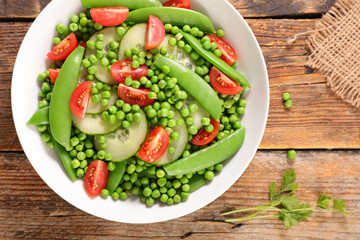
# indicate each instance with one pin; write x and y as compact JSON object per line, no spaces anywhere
{"x":131,"y":4}
{"x":217,"y":62}
{"x":40,"y":117}
{"x":116,"y":176}
{"x":60,"y":114}
{"x":209,"y":156}
{"x":175,"y":16}
{"x":193,"y":84}
{"x":65,"y":158}
{"x":196,"y":182}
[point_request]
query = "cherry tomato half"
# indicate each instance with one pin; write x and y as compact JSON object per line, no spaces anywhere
{"x":155,"y":33}
{"x":96,"y":177}
{"x":64,"y":48}
{"x":222,"y":83}
{"x":228,"y":54}
{"x":178,"y":4}
{"x":134,"y":96}
{"x":203,"y":137}
{"x":80,"y":99}
{"x":53,"y":74}
{"x":155,"y":145}
{"x":109,"y":16}
{"x":122,"y":69}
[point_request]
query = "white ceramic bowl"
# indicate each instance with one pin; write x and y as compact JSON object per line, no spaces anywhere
{"x":31,"y":60}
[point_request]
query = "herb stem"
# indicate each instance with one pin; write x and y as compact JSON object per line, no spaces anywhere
{"x":250,"y":218}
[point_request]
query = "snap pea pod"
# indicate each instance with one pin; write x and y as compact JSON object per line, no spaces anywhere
{"x":116,"y":176}
{"x":175,"y":16}
{"x":65,"y":158}
{"x":130,"y":4}
{"x":40,"y":117}
{"x":209,"y":156}
{"x":193,"y":84}
{"x":196,"y":182}
{"x":60,"y":114}
{"x":217,"y":62}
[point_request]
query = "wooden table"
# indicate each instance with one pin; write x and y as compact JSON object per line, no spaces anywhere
{"x":323,"y":129}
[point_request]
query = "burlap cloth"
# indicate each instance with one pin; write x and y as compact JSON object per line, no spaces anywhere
{"x":335,"y":49}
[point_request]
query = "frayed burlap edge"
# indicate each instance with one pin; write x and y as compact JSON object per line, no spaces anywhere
{"x":323,"y":55}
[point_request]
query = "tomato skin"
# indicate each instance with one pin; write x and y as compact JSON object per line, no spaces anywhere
{"x":80,"y":99}
{"x":64,"y":48}
{"x":123,"y":69}
{"x":155,"y":145}
{"x":178,"y":4}
{"x":203,"y":137}
{"x":83,"y":44}
{"x":228,"y":54}
{"x":96,"y":177}
{"x":53,"y":74}
{"x":134,"y":96}
{"x":155,"y":33}
{"x":222,"y":83}
{"x":109,"y":16}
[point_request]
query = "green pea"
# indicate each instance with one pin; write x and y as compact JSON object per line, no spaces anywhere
{"x":181,"y":44}
{"x":161,"y":96}
{"x":200,"y":71}
{"x":104,"y":102}
{"x":98,"y":26}
{"x":220,"y":33}
{"x":42,"y":104}
{"x":187,"y":48}
{"x":206,"y":45}
{"x":209,"y":128}
{"x":152,"y":95}
{"x":165,"y":69}
{"x":92,"y":69}
{"x":288,"y":104}
{"x":176,"y":184}
{"x":193,"y":130}
{"x":104,"y":193}
{"x":186,"y":28}
{"x":171,"y":150}
{"x":175,"y":136}
{"x":194,"y":56}
{"x":99,"y":45}
{"x":74,"y":18}
{"x":171,"y":192}
{"x":135,"y":84}
{"x":123,"y":195}
{"x":168,"y":27}
{"x":120,"y":31}
{"x":57,"y":40}
{"x":86,"y":63}
{"x":104,"y":62}
{"x":163,"y":51}
{"x":135,"y":64}
{"x":214,"y":46}
{"x":291,"y":154}
{"x":242,"y":103}
{"x":75,"y":163}
{"x":164,"y":198}
{"x":175,"y":30}
{"x":160,"y":173}
{"x":81,"y":155}
{"x":184,"y":196}
{"x":89,"y":153}
{"x":128,"y":53}
{"x":113,"y":45}
{"x":60,"y":28}
{"x":172,"y":41}
{"x":194,"y":31}
{"x":193,"y":108}
{"x":130,"y":117}
{"x":180,"y":122}
{"x":45,"y":137}
{"x":111,"y":55}
{"x":151,"y":113}
{"x":189,"y":121}
{"x":126,"y":124}
{"x":147,"y":191}
{"x":150,"y":201}
{"x":217,"y":53}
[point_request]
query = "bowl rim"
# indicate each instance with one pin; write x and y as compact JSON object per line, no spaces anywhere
{"x":229,"y":184}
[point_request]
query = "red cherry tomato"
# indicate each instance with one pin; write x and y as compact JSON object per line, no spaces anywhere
{"x":80,"y":99}
{"x":83,"y":44}
{"x":109,"y":16}
{"x":96,"y":177}
{"x":222,"y":83}
{"x":155,"y":33}
{"x":64,"y":48}
{"x":228,"y":53}
{"x":53,"y":74}
{"x":155,"y":145}
{"x":134,"y":96}
{"x":203,"y":137}
{"x":122,"y":69}
{"x":178,"y":4}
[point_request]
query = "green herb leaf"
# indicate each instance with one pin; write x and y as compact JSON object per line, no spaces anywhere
{"x":291,"y":187}
{"x":324,"y":201}
{"x":290,"y":202}
{"x":339,"y":206}
{"x":287,"y":220}
{"x":289,"y":176}
{"x":273,"y":191}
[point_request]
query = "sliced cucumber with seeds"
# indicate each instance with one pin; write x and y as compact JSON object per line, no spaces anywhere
{"x":95,"y":125}
{"x":96,"y":108}
{"x":199,"y":114}
{"x":135,"y":37}
{"x":103,"y":74}
{"x":125,"y":143}
{"x":179,"y":145}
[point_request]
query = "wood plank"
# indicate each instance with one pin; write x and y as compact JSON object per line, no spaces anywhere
{"x":318,"y":119}
{"x":248,"y":8}
{"x":28,"y":208}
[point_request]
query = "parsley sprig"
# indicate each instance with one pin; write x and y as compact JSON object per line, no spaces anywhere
{"x":284,"y":205}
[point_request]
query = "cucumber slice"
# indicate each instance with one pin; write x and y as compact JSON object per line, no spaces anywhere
{"x":135,"y":37}
{"x":95,"y":125}
{"x":178,"y":145}
{"x":97,"y":108}
{"x":125,"y":143}
{"x":103,"y":74}
{"x":199,"y":114}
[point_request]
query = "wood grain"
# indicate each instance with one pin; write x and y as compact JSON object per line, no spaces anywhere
{"x":318,"y":118}
{"x":28,"y":208}
{"x":248,"y":8}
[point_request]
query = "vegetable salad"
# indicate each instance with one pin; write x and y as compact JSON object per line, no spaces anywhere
{"x":142,"y":99}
